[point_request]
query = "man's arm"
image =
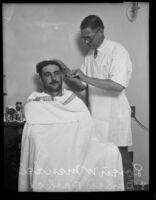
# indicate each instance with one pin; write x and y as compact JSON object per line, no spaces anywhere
{"x":74,"y":83}
{"x":106,"y":84}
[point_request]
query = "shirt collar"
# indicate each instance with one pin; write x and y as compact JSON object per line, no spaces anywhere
{"x":103,"y":44}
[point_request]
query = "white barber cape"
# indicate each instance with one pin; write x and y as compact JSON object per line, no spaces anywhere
{"x":59,"y":152}
{"x":110,"y":110}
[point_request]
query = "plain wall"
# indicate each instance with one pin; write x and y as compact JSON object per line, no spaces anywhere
{"x":34,"y":32}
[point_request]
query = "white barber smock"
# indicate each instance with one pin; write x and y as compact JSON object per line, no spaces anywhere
{"x":110,"y":110}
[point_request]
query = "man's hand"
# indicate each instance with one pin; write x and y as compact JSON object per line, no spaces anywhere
{"x":77,"y":73}
{"x":64,"y":68}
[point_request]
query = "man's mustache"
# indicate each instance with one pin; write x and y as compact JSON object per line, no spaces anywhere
{"x":53,"y":82}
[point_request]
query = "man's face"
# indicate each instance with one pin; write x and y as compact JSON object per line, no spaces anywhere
{"x":52,"y":78}
{"x":91,"y":37}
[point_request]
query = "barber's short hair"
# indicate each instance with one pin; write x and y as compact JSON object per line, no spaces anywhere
{"x":44,"y":63}
{"x":92,"y":21}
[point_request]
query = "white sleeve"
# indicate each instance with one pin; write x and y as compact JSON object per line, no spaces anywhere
{"x":83,"y":69}
{"x":121,"y":67}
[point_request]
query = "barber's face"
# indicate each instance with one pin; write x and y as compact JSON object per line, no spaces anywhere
{"x":91,"y":37}
{"x":52,"y":78}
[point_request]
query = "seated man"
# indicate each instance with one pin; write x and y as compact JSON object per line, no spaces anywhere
{"x":59,"y":151}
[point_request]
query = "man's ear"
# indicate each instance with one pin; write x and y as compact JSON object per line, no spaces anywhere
{"x":39,"y":77}
{"x":62,"y":75}
{"x":38,"y":82}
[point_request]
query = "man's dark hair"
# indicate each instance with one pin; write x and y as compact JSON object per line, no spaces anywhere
{"x":92,"y":21}
{"x":44,"y":63}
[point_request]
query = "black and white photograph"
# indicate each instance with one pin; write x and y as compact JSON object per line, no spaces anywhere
{"x":76,"y":97}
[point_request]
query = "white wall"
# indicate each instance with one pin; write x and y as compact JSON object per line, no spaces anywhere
{"x":33,"y":32}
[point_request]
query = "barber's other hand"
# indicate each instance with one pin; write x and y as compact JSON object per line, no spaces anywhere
{"x":64,"y":68}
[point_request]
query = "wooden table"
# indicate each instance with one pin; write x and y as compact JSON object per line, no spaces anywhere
{"x":12,"y":141}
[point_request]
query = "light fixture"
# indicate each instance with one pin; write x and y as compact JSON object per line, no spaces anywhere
{"x":132,"y":11}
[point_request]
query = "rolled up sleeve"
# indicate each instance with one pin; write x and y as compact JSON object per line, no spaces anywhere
{"x":83,"y":68}
{"x":121,"y":67}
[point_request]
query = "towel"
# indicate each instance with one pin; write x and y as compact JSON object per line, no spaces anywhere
{"x":59,"y":151}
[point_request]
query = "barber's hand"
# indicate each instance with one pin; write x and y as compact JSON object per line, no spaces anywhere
{"x":63,"y":66}
{"x":77,"y":73}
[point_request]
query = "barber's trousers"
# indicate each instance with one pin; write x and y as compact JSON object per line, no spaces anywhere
{"x":127,"y":168}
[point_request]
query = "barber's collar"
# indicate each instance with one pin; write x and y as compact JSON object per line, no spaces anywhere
{"x":102,"y":46}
